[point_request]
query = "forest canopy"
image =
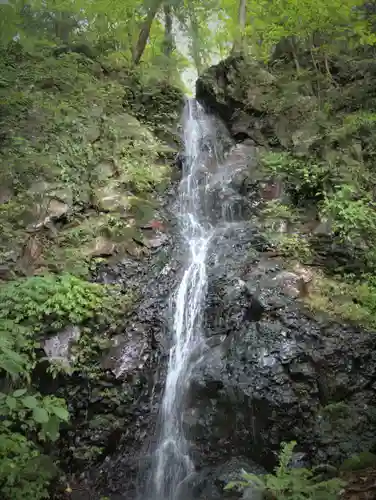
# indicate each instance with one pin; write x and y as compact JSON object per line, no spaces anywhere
{"x":176,"y":34}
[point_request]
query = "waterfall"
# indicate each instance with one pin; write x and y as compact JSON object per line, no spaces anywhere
{"x":200,"y":217}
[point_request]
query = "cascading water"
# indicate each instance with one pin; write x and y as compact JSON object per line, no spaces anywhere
{"x":199,"y":220}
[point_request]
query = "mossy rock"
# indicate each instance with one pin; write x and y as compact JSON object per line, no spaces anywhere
{"x":111,"y":198}
{"x":359,"y":462}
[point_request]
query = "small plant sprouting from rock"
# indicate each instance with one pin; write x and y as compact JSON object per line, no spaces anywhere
{"x":288,"y":483}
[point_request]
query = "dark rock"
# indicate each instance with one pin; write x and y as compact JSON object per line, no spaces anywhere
{"x":209,"y":483}
{"x":5,"y":195}
{"x":241,"y":103}
{"x":269,"y":380}
{"x":5,"y":272}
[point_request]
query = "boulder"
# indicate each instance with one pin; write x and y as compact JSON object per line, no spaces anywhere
{"x":52,"y":191}
{"x":103,"y":247}
{"x":58,"y":347}
{"x":103,"y":171}
{"x":128,"y":353}
{"x":56,"y":209}
{"x":5,"y":195}
{"x":111,"y":198}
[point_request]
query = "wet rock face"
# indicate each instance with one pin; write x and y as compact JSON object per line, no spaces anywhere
{"x":242,"y":102}
{"x":273,"y":373}
{"x":115,"y":412}
{"x":139,"y":358}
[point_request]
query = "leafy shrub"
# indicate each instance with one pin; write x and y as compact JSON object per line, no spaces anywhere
{"x":26,"y":418}
{"x":352,"y":299}
{"x":40,"y":305}
{"x":354,"y":124}
{"x":289,"y":483}
{"x":306,"y":179}
{"x":274,"y":209}
{"x":353,"y":217}
{"x":291,"y":245}
{"x":34,"y":412}
{"x":294,"y":246}
{"x":27,"y":308}
{"x":24,"y":471}
{"x":52,"y":300}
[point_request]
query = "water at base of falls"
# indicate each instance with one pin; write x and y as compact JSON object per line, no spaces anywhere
{"x":201,"y":214}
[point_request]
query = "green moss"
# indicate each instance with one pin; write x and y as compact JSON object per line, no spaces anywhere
{"x":64,"y":129}
{"x":336,"y":411}
{"x":275,"y":209}
{"x":359,"y":462}
{"x":295,"y":247}
{"x":353,"y":301}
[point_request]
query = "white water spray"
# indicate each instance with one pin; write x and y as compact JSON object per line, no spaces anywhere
{"x":203,"y":157}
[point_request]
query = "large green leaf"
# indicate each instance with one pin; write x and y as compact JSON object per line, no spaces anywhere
{"x":30,"y":402}
{"x":11,"y":402}
{"x":19,"y":392}
{"x":40,"y":415}
{"x":51,"y":428}
{"x":61,"y":413}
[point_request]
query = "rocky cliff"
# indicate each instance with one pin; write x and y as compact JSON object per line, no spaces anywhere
{"x":290,"y":304}
{"x":89,"y":192}
{"x":87,"y":165}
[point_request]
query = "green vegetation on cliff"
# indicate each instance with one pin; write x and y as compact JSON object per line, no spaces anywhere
{"x":289,"y":483}
{"x":89,"y":109}
{"x":301,"y":85}
{"x":90,"y":95}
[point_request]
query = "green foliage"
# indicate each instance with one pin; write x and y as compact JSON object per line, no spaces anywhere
{"x":34,"y":413}
{"x":280,"y":222}
{"x":355,"y":125}
{"x":32,"y":307}
{"x":350,"y":299}
{"x":29,"y":308}
{"x":359,"y":462}
{"x":353,"y":217}
{"x":24,"y":471}
{"x":275,"y":209}
{"x":294,"y":246}
{"x":305,"y":22}
{"x":52,"y":300}
{"x":289,"y":483}
{"x":304,"y":178}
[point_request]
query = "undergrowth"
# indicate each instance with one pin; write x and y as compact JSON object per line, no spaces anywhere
{"x":342,"y":197}
{"x":30,"y":309}
{"x":289,"y":483}
{"x":350,"y":299}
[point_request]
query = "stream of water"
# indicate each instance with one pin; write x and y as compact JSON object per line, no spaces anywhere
{"x":199,"y":219}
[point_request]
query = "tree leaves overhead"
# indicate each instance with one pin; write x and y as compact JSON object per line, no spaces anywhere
{"x":143,"y":30}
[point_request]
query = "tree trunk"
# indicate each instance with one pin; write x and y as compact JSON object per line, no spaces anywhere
{"x":195,"y":41}
{"x":294,"y":55}
{"x":196,"y":53}
{"x":145,"y":31}
{"x":64,"y":25}
{"x":242,"y":14}
{"x":242,"y":21}
{"x":168,"y":44}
